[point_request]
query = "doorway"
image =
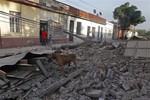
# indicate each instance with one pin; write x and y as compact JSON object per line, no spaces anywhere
{"x":78,"y":28}
{"x":88,"y":31}
{"x":71,"y":30}
{"x":93,"y":32}
{"x":43,"y":26}
{"x":101,"y":34}
{"x":98,"y":36}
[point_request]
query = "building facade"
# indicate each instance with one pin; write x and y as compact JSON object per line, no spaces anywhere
{"x":21,"y":22}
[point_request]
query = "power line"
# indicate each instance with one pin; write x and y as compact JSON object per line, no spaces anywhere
{"x":74,"y":3}
{"x":80,"y":6}
{"x":88,"y":4}
{"x":92,"y":6}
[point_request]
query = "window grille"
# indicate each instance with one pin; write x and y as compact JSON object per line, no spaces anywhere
{"x":14,"y":22}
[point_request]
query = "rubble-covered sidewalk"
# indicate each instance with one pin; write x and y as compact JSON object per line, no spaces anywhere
{"x":103,"y":74}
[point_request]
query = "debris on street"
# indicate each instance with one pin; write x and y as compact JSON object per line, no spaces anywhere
{"x":103,"y":73}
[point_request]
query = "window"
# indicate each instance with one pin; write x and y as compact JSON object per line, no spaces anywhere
{"x":14,"y":22}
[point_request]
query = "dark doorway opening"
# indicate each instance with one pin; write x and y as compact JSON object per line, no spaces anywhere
{"x":71,"y":30}
{"x":93,"y":32}
{"x":88,"y":31}
{"x":101,"y":33}
{"x":98,"y":36}
{"x":78,"y":28}
{"x":43,"y":26}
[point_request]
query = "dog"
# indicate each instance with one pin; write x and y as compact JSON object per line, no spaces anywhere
{"x":64,"y":59}
{"x":53,"y":55}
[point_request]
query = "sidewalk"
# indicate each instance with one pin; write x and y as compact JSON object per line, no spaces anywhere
{"x":13,"y":51}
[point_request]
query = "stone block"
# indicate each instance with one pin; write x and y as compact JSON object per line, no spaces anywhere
{"x":144,"y":90}
{"x":113,"y":93}
{"x":38,"y":84}
{"x":62,"y":89}
{"x":130,"y":94}
{"x":71,"y":98}
{"x":101,"y":98}
{"x":126,"y":86}
{"x":131,"y":44}
{"x":143,"y":44}
{"x":94,"y":93}
{"x":108,"y":72}
{"x":129,"y":52}
{"x":83,"y":86}
{"x":143,"y":98}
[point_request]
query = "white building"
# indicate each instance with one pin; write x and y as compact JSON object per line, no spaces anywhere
{"x":108,"y":34}
{"x":21,"y":21}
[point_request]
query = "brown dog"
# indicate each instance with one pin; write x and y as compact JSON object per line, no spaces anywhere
{"x":53,"y":55}
{"x":64,"y":59}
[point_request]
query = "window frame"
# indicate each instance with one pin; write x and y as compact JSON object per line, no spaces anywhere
{"x":15,"y":21}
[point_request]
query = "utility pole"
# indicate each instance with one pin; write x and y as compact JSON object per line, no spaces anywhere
{"x":117,"y":28}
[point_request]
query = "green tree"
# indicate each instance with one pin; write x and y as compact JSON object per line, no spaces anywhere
{"x":141,"y":32}
{"x":128,"y":15}
{"x":147,"y":33}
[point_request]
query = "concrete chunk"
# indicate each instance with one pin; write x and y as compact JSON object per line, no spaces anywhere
{"x":62,"y":89}
{"x":126,"y":86}
{"x":130,"y":94}
{"x":144,"y":90}
{"x":94,"y":93}
{"x":83,"y":86}
{"x":112,"y":92}
{"x":41,"y":66}
{"x":116,"y":44}
{"x":101,"y":98}
{"x":2,"y":83}
{"x":108,"y":72}
{"x":144,"y":98}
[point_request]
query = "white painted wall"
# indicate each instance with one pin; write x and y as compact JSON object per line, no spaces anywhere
{"x":84,"y":25}
{"x":6,"y":6}
{"x":107,"y":29}
{"x":108,"y":34}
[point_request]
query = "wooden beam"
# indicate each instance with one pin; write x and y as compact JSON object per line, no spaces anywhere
{"x":42,"y":68}
{"x":58,"y":84}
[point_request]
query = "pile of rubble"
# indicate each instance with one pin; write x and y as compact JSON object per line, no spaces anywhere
{"x":103,"y":74}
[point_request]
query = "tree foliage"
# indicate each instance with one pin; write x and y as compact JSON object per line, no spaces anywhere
{"x":147,"y":33}
{"x":141,"y":32}
{"x":128,"y":15}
